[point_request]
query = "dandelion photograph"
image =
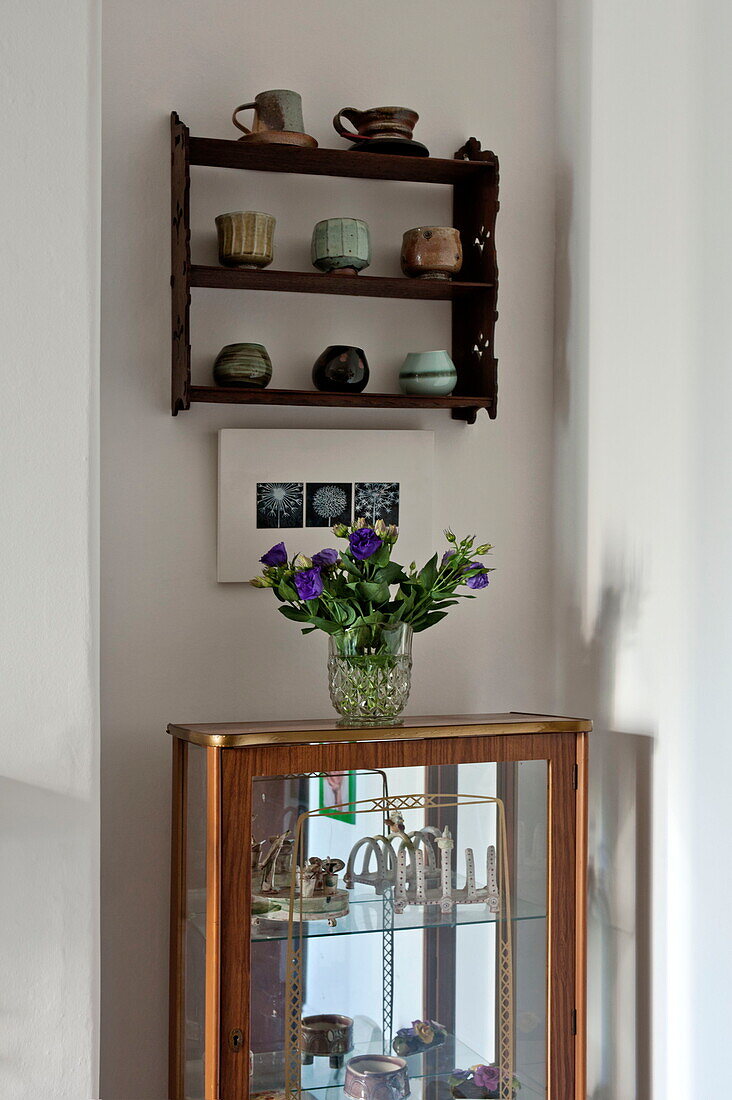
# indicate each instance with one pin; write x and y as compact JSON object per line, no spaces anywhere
{"x":279,"y":503}
{"x":327,"y":502}
{"x":377,"y":500}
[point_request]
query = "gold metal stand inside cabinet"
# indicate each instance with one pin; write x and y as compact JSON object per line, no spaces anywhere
{"x":342,"y":897}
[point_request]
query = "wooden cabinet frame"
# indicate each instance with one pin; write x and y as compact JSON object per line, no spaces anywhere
{"x":235,"y":754}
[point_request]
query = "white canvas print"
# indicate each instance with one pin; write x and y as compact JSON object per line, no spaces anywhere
{"x":292,"y":486}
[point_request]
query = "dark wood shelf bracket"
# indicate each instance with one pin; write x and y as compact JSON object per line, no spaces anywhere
{"x":180,"y":264}
{"x":473,"y":175}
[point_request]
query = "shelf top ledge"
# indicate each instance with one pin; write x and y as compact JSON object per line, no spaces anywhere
{"x":231,"y":735}
{"x":470,"y":160}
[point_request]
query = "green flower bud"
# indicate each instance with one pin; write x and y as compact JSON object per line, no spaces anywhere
{"x":340,"y":531}
{"x":302,"y":562}
{"x":361,"y":522}
{"x":380,"y":528}
{"x":450,"y":536}
{"x":483,"y":549}
{"x":261,"y":582}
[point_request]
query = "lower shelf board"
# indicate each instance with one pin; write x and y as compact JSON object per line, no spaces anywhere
{"x":437,"y":1062}
{"x":235,"y":396}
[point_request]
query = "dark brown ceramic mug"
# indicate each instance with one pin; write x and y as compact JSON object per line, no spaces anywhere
{"x":377,"y":122}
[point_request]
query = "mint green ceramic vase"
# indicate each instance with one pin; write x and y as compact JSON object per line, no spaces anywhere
{"x":429,"y":373}
{"x":341,"y":246}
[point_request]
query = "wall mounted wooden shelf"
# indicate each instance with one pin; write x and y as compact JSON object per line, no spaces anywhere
{"x":231,"y":396}
{"x":473,"y":175}
{"x":312,"y":282}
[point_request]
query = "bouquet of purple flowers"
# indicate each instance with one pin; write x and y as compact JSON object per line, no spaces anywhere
{"x":361,"y":587}
{"x":480,"y":1082}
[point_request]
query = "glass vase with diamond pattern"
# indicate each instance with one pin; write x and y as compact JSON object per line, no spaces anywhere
{"x":370,"y":672}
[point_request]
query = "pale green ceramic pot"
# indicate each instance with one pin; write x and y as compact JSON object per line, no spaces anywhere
{"x":341,"y":246}
{"x":243,"y":365}
{"x":429,"y":373}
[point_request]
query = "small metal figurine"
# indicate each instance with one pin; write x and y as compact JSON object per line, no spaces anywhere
{"x":317,"y":894}
{"x":272,"y":861}
{"x":409,"y":863}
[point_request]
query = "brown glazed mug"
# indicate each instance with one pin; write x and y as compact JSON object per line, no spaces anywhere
{"x":277,"y":110}
{"x":377,"y":122}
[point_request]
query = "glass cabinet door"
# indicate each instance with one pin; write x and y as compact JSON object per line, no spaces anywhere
{"x":399,"y":933}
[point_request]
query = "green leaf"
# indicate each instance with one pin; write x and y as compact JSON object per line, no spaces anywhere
{"x":350,"y":566}
{"x":382,"y":555}
{"x":326,"y":625}
{"x":428,"y":575}
{"x":374,"y":591}
{"x":285,"y":591}
{"x":428,"y":621}
{"x":391,"y":573}
{"x":295,"y":614}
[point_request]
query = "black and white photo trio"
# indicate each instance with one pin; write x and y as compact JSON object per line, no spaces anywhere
{"x":293,"y":504}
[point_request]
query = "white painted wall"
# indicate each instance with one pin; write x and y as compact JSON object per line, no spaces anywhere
{"x":643,"y":521}
{"x":176,"y":646}
{"x":49,"y":790}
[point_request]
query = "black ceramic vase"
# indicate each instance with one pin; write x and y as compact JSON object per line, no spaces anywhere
{"x":341,"y":369}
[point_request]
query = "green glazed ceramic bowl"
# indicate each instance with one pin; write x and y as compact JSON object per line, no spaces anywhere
{"x":341,"y":246}
{"x":429,"y":373}
{"x":243,"y":365}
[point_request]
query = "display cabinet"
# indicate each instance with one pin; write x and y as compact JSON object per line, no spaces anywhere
{"x":374,"y":912}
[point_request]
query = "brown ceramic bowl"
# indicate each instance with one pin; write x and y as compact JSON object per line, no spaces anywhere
{"x":376,"y":1077}
{"x":326,"y":1037}
{"x":431,"y":252}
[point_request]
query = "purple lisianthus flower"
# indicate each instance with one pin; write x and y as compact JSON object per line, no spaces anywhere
{"x":487,"y":1077}
{"x":364,"y":543}
{"x":478,"y":580}
{"x":325,"y":558}
{"x":276,"y":556}
{"x":309,"y":583}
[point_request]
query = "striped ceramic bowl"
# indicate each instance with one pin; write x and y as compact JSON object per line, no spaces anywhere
{"x":429,"y":373}
{"x":243,"y":365}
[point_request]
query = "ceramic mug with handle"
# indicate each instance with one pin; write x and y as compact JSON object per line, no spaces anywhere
{"x":277,"y":110}
{"x":377,"y":122}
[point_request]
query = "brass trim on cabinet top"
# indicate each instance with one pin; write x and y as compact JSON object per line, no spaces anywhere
{"x":236,"y":735}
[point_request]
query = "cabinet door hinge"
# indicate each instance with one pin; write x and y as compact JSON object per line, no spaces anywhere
{"x":574,"y":1021}
{"x":575,"y":777}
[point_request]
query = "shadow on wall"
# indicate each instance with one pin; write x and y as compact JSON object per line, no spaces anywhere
{"x":620,"y":812}
{"x":47,"y":924}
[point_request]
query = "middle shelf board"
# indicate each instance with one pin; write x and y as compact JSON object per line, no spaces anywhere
{"x":370,"y":915}
{"x":241,"y":396}
{"x":314,"y":282}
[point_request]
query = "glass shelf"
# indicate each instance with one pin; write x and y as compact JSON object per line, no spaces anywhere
{"x":429,"y":1089}
{"x":440,"y":1061}
{"x":367,"y":915}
